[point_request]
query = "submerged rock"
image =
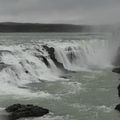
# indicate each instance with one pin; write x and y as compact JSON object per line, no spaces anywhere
{"x":116,"y":70}
{"x":117,"y":107}
{"x":21,"y":111}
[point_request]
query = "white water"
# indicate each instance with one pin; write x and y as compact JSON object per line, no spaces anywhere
{"x":79,"y":95}
{"x":85,"y":54}
{"x":74,"y":55}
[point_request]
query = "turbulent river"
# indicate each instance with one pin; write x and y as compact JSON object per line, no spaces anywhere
{"x":68,"y":73}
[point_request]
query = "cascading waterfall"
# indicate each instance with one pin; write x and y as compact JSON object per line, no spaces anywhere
{"x":86,"y":54}
{"x":22,"y":64}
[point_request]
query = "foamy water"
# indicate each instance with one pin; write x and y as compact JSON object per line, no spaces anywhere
{"x":87,"y":91}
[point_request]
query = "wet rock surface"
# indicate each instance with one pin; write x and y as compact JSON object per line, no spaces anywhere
{"x":51,"y":52}
{"x":118,"y":90}
{"x":116,"y":70}
{"x":117,"y":107}
{"x":45,"y":61}
{"x":22,"y":111}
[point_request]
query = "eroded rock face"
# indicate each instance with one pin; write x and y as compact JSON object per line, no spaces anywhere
{"x":21,"y":111}
{"x":51,"y":52}
{"x":45,"y":61}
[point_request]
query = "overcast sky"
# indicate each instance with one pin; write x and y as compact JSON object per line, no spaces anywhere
{"x":61,"y":11}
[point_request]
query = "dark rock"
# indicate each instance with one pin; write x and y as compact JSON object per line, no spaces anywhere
{"x":21,"y":111}
{"x":45,"y":61}
{"x":39,"y":50}
{"x":118,"y":90}
{"x":116,"y":70}
{"x":117,"y":107}
{"x":51,"y":52}
{"x":26,"y":71}
{"x":13,"y":108}
{"x":63,"y":77}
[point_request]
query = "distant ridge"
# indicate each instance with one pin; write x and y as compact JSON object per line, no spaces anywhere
{"x":38,"y":27}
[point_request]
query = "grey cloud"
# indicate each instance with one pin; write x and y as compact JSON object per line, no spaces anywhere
{"x":60,"y":11}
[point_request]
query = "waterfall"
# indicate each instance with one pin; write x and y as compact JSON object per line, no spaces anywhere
{"x":86,"y":54}
{"x":23,"y":64}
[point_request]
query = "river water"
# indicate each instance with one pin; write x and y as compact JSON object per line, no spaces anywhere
{"x":87,"y":91}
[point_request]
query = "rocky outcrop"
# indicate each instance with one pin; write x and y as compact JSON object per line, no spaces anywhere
{"x":43,"y":59}
{"x":21,"y":111}
{"x":117,"y":107}
{"x":118,"y":90}
{"x":51,"y":52}
{"x":116,"y":70}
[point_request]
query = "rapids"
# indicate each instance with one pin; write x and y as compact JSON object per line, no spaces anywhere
{"x":69,"y":69}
